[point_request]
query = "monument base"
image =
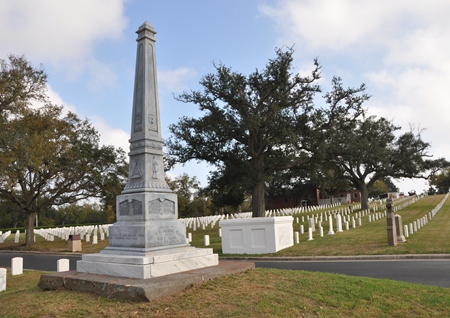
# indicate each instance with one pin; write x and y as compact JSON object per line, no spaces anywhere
{"x":159,"y":263}
{"x":257,"y":235}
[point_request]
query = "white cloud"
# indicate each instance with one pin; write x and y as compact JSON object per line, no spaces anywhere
{"x":402,"y":45}
{"x":176,"y":81}
{"x":61,"y":33}
{"x":111,"y":136}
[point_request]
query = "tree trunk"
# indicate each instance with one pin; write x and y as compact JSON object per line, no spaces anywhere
{"x":364,"y":197}
{"x":258,"y":200}
{"x":30,"y":229}
{"x":259,"y":189}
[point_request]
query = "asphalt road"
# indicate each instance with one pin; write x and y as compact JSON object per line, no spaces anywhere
{"x":422,"y":271}
{"x":38,"y":261}
{"x":434,"y":272}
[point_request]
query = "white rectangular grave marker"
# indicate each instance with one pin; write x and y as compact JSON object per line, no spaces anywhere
{"x":16,"y":266}
{"x":63,"y":265}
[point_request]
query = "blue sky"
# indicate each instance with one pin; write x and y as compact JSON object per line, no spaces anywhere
{"x":400,"y":49}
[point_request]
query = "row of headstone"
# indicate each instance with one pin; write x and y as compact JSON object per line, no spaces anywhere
{"x":414,"y":226}
{"x":4,"y":236}
{"x":8,"y":233}
{"x":85,"y":232}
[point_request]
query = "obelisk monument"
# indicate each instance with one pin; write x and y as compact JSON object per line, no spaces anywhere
{"x":147,"y":240}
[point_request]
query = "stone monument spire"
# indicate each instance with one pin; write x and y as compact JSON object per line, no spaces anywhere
{"x":147,"y":240}
{"x":146,"y":144}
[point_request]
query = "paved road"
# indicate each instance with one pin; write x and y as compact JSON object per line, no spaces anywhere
{"x":422,"y":271}
{"x":38,"y":261}
{"x":429,"y":272}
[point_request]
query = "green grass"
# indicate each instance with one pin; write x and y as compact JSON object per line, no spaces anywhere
{"x":265,"y":292}
{"x":257,"y":293}
{"x":368,"y":239}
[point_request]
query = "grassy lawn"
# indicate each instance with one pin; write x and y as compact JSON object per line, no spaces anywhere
{"x":367,"y":239}
{"x":265,"y":292}
{"x":257,"y":293}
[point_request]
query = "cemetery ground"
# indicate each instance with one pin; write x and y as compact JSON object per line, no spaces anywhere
{"x":267,"y":292}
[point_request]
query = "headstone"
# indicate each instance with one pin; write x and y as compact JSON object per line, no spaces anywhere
{"x":17,"y":237}
{"x":302,"y":229}
{"x":310,"y":234}
{"x":297,"y":237}
{"x":62,"y":265}
{"x":16,"y":266}
{"x":391,"y":227}
{"x":74,"y":243}
{"x":330,"y":226}
{"x":399,"y":228}
{"x":311,"y":224}
{"x":338,"y":223}
{"x":2,"y":279}
{"x":206,"y":240}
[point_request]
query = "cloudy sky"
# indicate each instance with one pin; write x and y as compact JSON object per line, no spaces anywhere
{"x":400,"y":49}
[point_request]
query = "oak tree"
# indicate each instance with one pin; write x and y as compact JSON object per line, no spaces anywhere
{"x":256,"y":124}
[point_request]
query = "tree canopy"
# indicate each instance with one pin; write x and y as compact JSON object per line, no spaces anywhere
{"x":260,"y":123}
{"x":441,"y":181}
{"x":368,"y":150}
{"x":48,"y":157}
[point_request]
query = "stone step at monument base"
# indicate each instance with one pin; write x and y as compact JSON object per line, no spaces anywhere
{"x":161,"y":263}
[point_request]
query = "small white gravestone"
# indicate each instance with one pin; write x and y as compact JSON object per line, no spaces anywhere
{"x":17,"y":237}
{"x":297,"y":237}
{"x":330,"y":226}
{"x":302,"y":229}
{"x":338,"y":223}
{"x":190,"y":237}
{"x":310,"y":234}
{"x":95,"y":239}
{"x":16,"y":266}
{"x":63,"y":265}
{"x":2,"y":279}
{"x":206,"y":240}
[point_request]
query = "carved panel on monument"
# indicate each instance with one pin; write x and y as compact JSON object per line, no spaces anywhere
{"x":139,"y":93}
{"x":166,"y":235}
{"x":161,"y":208}
{"x":127,"y":208}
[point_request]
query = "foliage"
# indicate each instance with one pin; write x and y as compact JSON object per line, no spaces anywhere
{"x":191,"y":201}
{"x":47,"y":158}
{"x":441,"y":181}
{"x":382,"y":186}
{"x":368,"y":150}
{"x":20,"y":84}
{"x":261,"y":123}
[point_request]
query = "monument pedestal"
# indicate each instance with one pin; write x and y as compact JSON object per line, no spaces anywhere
{"x":154,"y":264}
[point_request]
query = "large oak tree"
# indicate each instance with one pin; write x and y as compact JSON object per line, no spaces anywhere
{"x":47,"y":158}
{"x":260,"y":123}
{"x":369,"y":150}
